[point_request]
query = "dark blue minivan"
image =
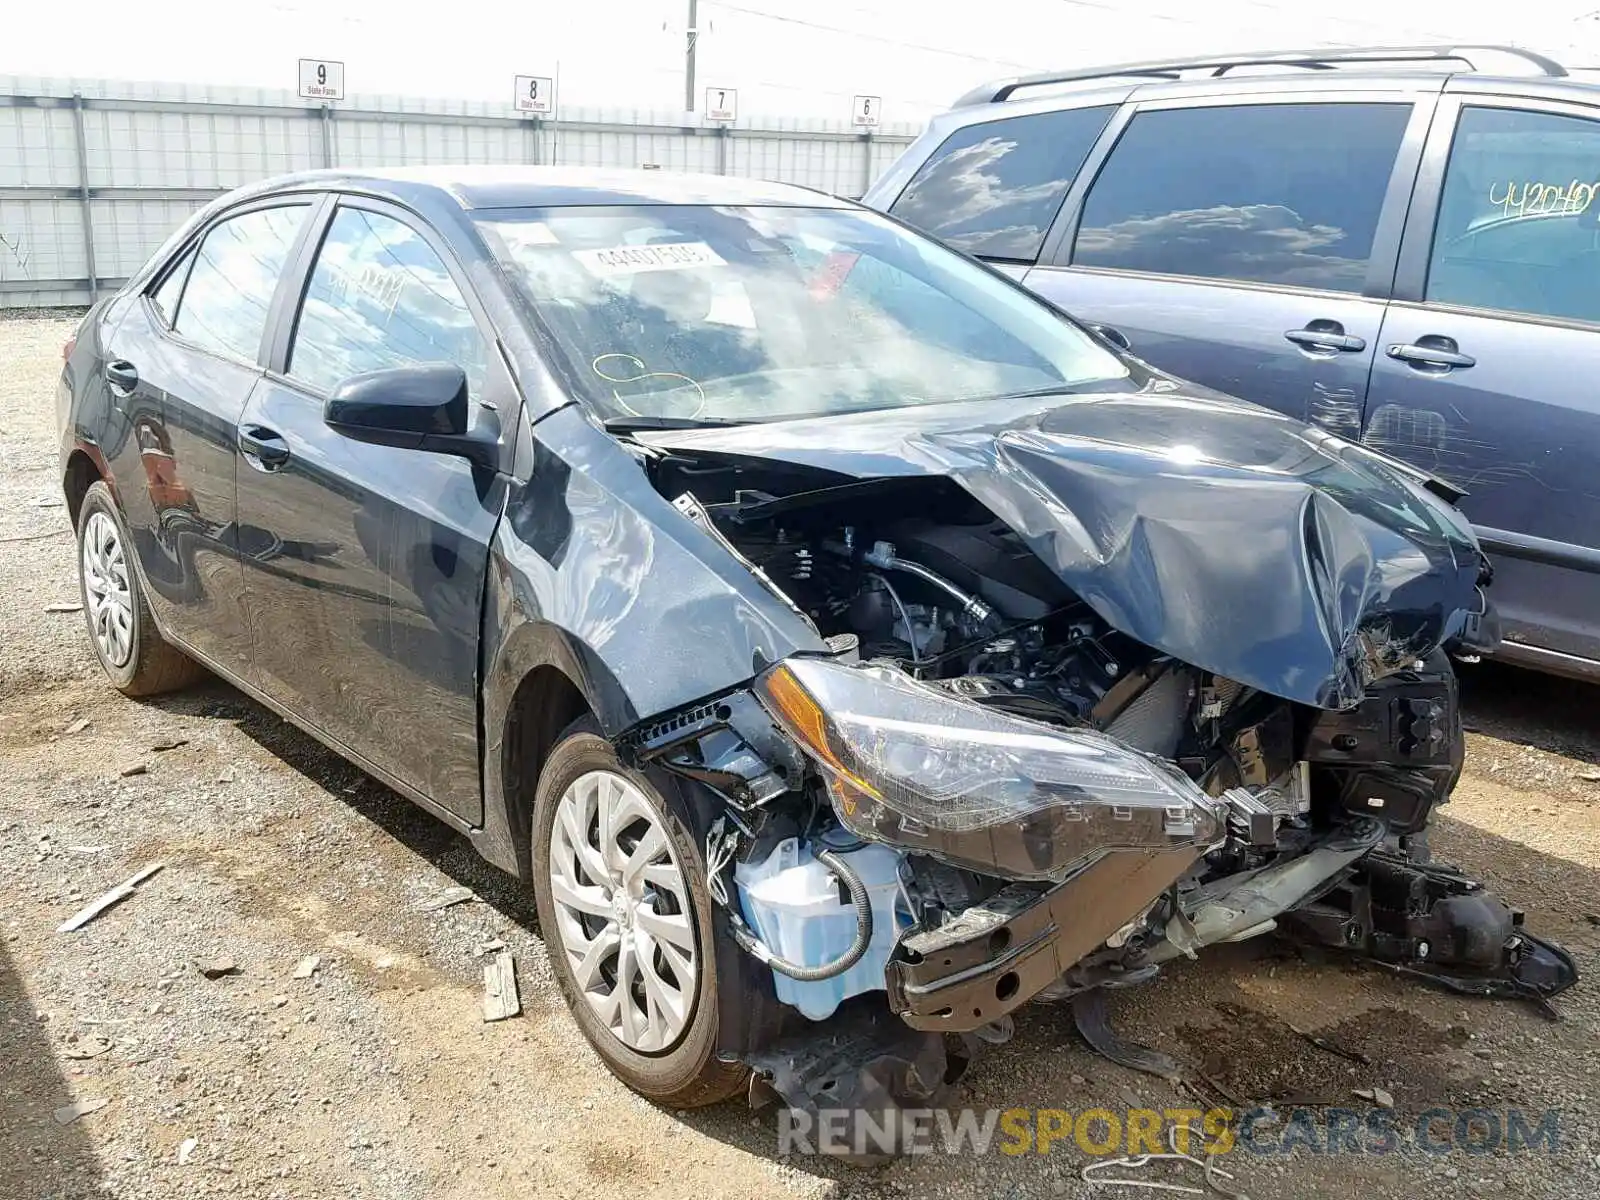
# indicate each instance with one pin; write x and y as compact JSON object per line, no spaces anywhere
{"x":1394,"y":244}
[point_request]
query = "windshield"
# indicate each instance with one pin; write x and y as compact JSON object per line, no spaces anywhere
{"x":755,"y":314}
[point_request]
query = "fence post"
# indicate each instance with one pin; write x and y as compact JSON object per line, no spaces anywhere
{"x":866,"y":163}
{"x":327,"y":135}
{"x":83,"y":195}
{"x":723,"y":134}
{"x":532,"y":136}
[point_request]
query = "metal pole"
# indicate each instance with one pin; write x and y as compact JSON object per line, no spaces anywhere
{"x":327,"y":136}
{"x":692,"y":37}
{"x":83,"y":196}
{"x":722,"y":149}
{"x":866,"y":164}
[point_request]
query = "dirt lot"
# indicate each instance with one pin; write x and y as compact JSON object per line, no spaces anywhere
{"x":377,"y":1076}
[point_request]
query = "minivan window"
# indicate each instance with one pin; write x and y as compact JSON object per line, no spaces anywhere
{"x":225,"y":302}
{"x":728,"y":314}
{"x":1285,"y":194}
{"x":380,"y":297}
{"x":1519,"y":220}
{"x":993,"y":189}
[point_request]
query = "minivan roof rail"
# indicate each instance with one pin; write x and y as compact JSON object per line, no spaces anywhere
{"x":1310,"y":60}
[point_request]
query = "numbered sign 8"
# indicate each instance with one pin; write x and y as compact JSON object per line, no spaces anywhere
{"x":535,"y":94}
{"x":321,"y":79}
{"x":865,"y":111}
{"x":722,"y":104}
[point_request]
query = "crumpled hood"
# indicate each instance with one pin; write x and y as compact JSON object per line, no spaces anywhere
{"x":1226,"y":535}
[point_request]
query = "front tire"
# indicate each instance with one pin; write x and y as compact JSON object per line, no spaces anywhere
{"x":627,"y":921}
{"x":131,"y":650}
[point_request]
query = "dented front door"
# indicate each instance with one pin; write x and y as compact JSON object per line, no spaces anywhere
{"x":1486,"y":367}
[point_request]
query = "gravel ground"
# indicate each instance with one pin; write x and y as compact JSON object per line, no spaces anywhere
{"x":376,"y":1076}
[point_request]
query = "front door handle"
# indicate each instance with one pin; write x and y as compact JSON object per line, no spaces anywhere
{"x":1432,"y":353}
{"x":1326,"y":335}
{"x":123,"y":376}
{"x":263,"y":448}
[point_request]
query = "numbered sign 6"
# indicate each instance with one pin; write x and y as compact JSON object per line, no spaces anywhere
{"x":722,"y":104}
{"x":535,"y":94}
{"x":865,"y":111}
{"x":321,"y":79}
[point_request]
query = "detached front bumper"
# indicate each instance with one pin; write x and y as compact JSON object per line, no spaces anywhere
{"x":997,"y":955}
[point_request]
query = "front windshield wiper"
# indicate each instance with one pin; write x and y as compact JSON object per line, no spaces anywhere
{"x":1054,"y":389}
{"x":637,"y":424}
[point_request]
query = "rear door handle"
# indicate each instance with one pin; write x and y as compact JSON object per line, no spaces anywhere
{"x":122,"y":375}
{"x":1330,"y":337}
{"x":1431,"y":353}
{"x":263,"y":448}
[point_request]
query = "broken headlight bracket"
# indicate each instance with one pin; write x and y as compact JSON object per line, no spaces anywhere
{"x":729,"y":744}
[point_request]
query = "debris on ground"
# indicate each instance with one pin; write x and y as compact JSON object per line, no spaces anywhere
{"x":494,"y":944}
{"x":307,"y":966}
{"x":226,"y":775}
{"x":77,"y":726}
{"x":446,"y":898}
{"x":68,"y":1113}
{"x":64,"y":606}
{"x":92,"y":1047}
{"x":128,"y":770}
{"x":169,"y":743}
{"x":500,"y":999}
{"x":1376,"y":1095}
{"x":216,"y":968}
{"x":186,"y":1148}
{"x":115,"y":896}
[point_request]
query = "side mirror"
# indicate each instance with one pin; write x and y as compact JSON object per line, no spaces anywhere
{"x":411,"y":408}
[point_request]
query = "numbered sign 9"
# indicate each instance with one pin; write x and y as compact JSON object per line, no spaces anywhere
{"x":865,"y":112}
{"x":321,"y":79}
{"x":535,"y":94}
{"x":722,"y":104}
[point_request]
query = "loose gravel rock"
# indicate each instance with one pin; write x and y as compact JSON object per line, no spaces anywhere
{"x":373,"y":1073}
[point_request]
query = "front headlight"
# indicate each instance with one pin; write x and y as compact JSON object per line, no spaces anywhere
{"x":919,"y":768}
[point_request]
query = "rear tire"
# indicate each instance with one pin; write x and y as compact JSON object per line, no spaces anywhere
{"x":650,"y":928}
{"x":123,"y":634}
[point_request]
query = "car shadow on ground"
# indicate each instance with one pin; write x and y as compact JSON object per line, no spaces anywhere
{"x":418,"y":830}
{"x":1546,"y":712}
{"x":38,"y":1156}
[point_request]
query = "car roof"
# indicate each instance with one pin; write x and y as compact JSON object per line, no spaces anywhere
{"x":489,"y":187}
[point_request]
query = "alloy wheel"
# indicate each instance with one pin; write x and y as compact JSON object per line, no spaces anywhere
{"x":106,"y":589}
{"x":622,"y":911}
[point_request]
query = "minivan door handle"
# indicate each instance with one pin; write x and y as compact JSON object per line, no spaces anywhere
{"x":263,"y":448}
{"x":1432,"y":353}
{"x":1326,"y":335}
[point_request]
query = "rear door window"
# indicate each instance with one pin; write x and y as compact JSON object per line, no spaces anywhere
{"x":1519,"y":220}
{"x":229,"y":292}
{"x":993,"y":189}
{"x":1286,"y":194}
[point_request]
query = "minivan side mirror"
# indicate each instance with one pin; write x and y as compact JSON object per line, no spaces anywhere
{"x":412,"y":408}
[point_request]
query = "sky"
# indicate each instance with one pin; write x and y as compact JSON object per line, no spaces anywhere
{"x":784,"y":58}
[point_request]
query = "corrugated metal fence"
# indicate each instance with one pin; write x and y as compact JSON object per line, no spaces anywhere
{"x":95,"y":174}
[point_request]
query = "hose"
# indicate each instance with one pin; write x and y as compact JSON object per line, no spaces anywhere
{"x":751,"y":944}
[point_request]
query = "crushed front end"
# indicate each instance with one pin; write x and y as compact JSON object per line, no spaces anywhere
{"x":990,"y":789}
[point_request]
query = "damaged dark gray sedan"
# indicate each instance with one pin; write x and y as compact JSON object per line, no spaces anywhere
{"x":846,"y":646}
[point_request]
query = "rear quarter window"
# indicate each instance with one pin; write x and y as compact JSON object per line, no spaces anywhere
{"x":993,"y":189}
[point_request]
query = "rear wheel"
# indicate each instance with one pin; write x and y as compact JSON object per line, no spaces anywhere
{"x":131,"y":650}
{"x":627,"y":921}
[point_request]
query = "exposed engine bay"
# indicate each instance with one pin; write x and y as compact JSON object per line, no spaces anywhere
{"x":1045,"y":808}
